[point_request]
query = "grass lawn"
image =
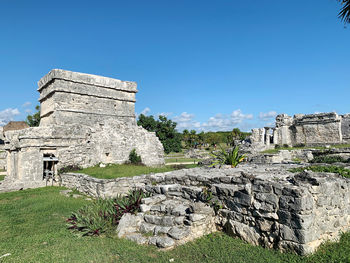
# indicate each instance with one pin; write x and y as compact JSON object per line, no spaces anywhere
{"x":2,"y":177}
{"x":123,"y":170}
{"x":33,"y":230}
{"x":180,"y":160}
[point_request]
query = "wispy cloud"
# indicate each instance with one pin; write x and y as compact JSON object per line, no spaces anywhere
{"x":225,"y":122}
{"x":145,"y":111}
{"x":219,"y":122}
{"x":26,"y":104}
{"x":186,"y":121}
{"x":267,"y":116}
{"x":8,"y":115}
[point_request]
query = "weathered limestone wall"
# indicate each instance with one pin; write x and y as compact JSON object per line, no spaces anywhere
{"x":311,"y":129}
{"x":323,"y":128}
{"x":76,"y":98}
{"x":3,"y":162}
{"x":78,"y":145}
{"x":85,"y":120}
{"x":345,"y":128}
{"x":264,"y":205}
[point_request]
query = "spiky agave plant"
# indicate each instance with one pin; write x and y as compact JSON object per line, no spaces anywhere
{"x":231,"y":157}
{"x":102,"y":215}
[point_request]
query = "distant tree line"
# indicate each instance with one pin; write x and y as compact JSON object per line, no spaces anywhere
{"x":173,"y":141}
{"x":192,"y":139}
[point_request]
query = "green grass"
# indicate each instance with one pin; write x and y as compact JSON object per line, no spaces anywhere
{"x":271,"y":151}
{"x":174,"y":154}
{"x":324,"y":169}
{"x":180,"y":160}
{"x":123,"y":170}
{"x":33,"y":230}
{"x":2,"y":177}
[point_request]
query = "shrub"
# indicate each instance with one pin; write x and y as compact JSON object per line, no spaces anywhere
{"x":102,"y":215}
{"x":134,"y":158}
{"x":300,"y":145}
{"x":285,"y":145}
{"x":277,"y":146}
{"x":232,"y":157}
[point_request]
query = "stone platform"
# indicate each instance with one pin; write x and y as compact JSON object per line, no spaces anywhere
{"x":262,"y":204}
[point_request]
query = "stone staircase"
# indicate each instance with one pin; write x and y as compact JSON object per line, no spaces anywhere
{"x":167,"y":219}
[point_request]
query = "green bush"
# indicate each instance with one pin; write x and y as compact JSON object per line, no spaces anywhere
{"x":103,"y":215}
{"x":134,"y":158}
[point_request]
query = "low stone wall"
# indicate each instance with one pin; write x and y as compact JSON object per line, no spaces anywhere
{"x":264,"y":205}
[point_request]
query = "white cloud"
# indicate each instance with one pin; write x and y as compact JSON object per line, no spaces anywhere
{"x":165,"y":114}
{"x":226,"y":122}
{"x":186,"y":121}
{"x":8,"y":115}
{"x":219,"y":122}
{"x":267,"y":116}
{"x":26,"y":104}
{"x":29,"y":111}
{"x":145,"y":111}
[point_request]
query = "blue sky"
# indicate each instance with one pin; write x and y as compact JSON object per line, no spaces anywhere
{"x":209,"y":65}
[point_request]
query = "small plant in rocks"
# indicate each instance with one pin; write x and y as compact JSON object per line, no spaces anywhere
{"x":231,"y":157}
{"x":207,"y":196}
{"x":103,"y":215}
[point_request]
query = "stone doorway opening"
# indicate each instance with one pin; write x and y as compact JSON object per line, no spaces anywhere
{"x":49,"y":166}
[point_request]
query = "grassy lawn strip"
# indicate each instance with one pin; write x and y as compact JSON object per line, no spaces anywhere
{"x":33,"y":229}
{"x":180,"y":160}
{"x":125,"y":170}
{"x":325,"y":169}
{"x":2,"y":177}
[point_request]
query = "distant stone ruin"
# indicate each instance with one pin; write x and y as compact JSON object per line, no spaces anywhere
{"x":304,"y":130}
{"x":85,"y":120}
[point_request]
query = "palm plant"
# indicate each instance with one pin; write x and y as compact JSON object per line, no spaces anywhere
{"x":344,"y":13}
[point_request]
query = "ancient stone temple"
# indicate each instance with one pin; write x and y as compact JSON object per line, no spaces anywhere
{"x":85,"y":120}
{"x":311,"y":129}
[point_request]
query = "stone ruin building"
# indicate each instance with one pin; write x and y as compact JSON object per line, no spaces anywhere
{"x":301,"y":130}
{"x":85,"y":120}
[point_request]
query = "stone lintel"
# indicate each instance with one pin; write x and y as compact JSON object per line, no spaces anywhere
{"x":89,"y":79}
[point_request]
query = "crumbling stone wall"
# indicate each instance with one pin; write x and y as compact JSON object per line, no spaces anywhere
{"x":264,"y":205}
{"x":85,"y":120}
{"x":311,"y":129}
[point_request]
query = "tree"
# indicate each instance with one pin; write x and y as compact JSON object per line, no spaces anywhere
{"x":186,"y":137}
{"x":34,"y":120}
{"x":165,"y":130}
{"x":344,"y":13}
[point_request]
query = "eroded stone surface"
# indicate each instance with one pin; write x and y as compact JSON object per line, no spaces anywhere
{"x":262,"y":204}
